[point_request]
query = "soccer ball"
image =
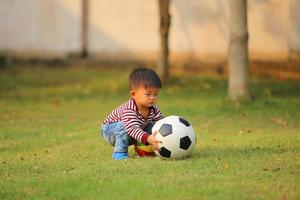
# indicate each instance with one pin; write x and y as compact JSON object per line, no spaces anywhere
{"x":177,"y":136}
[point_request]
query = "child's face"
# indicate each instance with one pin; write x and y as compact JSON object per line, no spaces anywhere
{"x":145,"y":97}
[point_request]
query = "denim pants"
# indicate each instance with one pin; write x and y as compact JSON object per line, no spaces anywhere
{"x":116,"y":135}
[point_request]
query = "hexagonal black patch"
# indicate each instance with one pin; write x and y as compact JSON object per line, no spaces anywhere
{"x":185,"y":142}
{"x":164,"y":152}
{"x":165,"y":129}
{"x":184,"y":121}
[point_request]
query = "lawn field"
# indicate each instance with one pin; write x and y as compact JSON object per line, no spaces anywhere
{"x":50,"y":147}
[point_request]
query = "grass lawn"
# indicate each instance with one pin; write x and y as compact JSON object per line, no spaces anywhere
{"x":50,"y":146}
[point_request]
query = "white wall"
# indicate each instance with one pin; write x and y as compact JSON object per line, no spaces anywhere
{"x":40,"y":27}
{"x":268,"y":29}
{"x":126,"y":29}
{"x":123,"y":27}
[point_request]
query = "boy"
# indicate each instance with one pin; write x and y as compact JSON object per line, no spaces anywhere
{"x":128,"y":121}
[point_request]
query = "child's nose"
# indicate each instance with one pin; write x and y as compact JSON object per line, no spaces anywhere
{"x":152,"y":97}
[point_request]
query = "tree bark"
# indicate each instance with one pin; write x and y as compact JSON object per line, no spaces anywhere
{"x":294,"y":28}
{"x":84,"y":28}
{"x":238,"y":51}
{"x":165,"y":22}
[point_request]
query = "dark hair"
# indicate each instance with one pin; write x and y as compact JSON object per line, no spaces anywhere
{"x":144,"y":77}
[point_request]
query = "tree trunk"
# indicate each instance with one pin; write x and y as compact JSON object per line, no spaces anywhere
{"x":238,"y":51}
{"x":165,"y":21}
{"x":84,"y":28}
{"x":294,"y":28}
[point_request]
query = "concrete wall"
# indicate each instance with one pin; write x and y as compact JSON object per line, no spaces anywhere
{"x":124,"y":27}
{"x":268,"y":29}
{"x":40,"y":27}
{"x":128,"y":29}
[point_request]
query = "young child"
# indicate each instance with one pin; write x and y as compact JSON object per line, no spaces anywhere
{"x":127,"y":123}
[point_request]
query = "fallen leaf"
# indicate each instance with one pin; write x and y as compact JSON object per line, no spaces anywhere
{"x":206,"y":86}
{"x":276,"y":169}
{"x":280,"y":187}
{"x":225,"y":166}
{"x":284,"y":197}
{"x":279,"y":121}
{"x":56,"y":102}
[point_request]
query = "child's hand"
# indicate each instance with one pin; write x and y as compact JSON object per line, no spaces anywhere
{"x":154,"y":143}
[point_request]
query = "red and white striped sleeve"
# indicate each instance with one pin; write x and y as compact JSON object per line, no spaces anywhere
{"x":131,"y":123}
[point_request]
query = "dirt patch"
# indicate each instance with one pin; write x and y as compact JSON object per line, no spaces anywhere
{"x":289,"y":70}
{"x":281,"y":70}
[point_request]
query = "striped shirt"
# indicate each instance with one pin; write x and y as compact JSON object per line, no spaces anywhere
{"x":134,"y":122}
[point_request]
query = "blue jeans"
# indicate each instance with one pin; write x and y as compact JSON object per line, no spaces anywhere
{"x":116,"y":135}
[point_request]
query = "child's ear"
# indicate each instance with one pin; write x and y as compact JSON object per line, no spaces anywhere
{"x":132,"y":93}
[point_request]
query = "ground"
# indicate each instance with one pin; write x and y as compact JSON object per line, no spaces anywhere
{"x":50,"y":146}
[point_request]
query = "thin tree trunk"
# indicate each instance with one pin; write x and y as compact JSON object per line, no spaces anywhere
{"x":165,"y":22}
{"x":294,"y":29}
{"x":238,"y":51}
{"x":84,"y":28}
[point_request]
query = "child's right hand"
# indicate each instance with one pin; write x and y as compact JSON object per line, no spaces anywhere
{"x":154,"y":143}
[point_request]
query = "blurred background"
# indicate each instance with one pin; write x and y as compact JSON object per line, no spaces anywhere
{"x":128,"y":31}
{"x":64,"y":66}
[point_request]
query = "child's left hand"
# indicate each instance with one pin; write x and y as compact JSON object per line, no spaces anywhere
{"x":154,"y":143}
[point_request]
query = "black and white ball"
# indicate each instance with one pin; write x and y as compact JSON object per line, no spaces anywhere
{"x":177,"y":136}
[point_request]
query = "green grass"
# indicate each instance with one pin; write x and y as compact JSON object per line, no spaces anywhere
{"x":50,"y":146}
